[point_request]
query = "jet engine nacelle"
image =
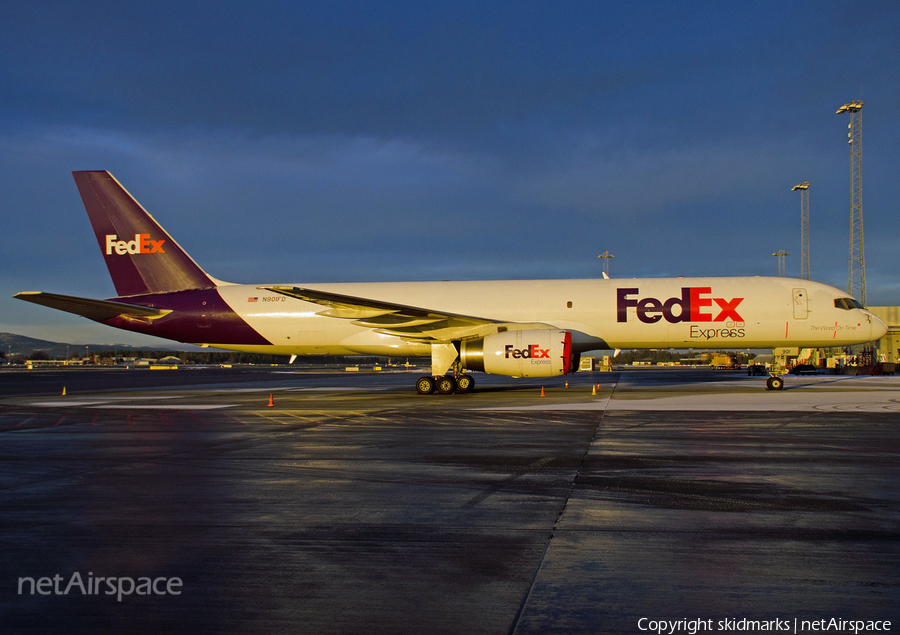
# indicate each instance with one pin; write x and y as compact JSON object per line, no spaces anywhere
{"x":533,"y":353}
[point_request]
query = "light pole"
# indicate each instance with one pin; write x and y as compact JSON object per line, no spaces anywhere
{"x":856,"y":279}
{"x":804,"y":227}
{"x":781,"y":253}
{"x":606,"y":256}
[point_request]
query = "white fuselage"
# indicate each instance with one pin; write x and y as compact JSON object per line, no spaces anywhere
{"x":733,"y":313}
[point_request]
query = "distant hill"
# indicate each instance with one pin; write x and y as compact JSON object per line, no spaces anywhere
{"x":22,"y":345}
{"x":11,"y":343}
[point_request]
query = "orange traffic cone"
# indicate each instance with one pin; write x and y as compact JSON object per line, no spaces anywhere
{"x":64,"y":391}
{"x":567,"y":384}
{"x":594,"y":391}
{"x":271,"y":401}
{"x":542,"y":391}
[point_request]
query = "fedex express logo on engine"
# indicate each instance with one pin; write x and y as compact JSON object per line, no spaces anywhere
{"x":140,"y":245}
{"x":531,"y":352}
{"x":694,"y":305}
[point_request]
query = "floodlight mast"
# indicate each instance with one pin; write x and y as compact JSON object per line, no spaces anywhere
{"x":856,"y":278}
{"x":606,"y":256}
{"x":804,"y":228}
{"x":781,"y":253}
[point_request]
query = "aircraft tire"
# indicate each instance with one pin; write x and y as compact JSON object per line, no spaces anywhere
{"x":445,"y":385}
{"x":465,"y":383}
{"x":775,"y":383}
{"x":425,"y":385}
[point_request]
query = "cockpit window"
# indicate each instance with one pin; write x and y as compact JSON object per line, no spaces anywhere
{"x":847,"y":303}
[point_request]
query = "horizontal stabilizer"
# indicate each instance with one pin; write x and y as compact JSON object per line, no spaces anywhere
{"x":98,"y":310}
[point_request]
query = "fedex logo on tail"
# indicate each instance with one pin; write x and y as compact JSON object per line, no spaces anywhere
{"x":694,"y":305}
{"x":140,"y":245}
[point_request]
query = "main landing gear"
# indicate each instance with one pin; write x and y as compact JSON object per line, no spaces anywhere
{"x":445,"y":384}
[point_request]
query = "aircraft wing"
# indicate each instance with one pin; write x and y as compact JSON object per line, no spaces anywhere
{"x":409,"y":322}
{"x":98,"y":310}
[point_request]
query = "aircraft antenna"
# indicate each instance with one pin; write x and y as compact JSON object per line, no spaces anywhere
{"x":804,"y":228}
{"x":856,"y":279}
{"x":781,"y":253}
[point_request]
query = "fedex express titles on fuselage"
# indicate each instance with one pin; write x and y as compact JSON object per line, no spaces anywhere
{"x":735,"y":312}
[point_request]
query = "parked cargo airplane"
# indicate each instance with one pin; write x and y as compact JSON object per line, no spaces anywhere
{"x":520,"y":328}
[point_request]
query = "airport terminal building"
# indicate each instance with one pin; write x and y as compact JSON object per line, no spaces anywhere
{"x":889,"y":345}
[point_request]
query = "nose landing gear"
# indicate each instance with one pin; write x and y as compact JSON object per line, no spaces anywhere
{"x":776,"y":374}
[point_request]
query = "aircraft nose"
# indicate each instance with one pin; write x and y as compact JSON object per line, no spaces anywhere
{"x":879,"y":327}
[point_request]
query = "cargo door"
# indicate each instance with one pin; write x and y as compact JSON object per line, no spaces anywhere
{"x":801,"y":304}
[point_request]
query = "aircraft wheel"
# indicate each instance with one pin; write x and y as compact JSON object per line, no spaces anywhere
{"x":774,"y":383}
{"x":425,"y":385}
{"x":465,"y":383}
{"x":446,"y":385}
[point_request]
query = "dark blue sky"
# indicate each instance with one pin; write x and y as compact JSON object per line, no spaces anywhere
{"x":346,"y":141}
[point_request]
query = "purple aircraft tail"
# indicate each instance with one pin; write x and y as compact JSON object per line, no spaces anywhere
{"x":141,"y":257}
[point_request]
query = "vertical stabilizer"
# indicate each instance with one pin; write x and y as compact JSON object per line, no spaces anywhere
{"x":141,"y":257}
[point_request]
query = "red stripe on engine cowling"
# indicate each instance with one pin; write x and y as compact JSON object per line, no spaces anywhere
{"x":567,"y":353}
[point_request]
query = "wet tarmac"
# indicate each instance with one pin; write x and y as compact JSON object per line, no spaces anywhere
{"x":353,"y":505}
